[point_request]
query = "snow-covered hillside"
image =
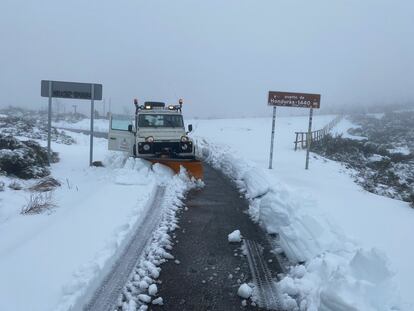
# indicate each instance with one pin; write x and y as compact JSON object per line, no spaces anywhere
{"x":352,"y":241}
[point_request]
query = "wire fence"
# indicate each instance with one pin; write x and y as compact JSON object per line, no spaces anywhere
{"x":301,"y":140}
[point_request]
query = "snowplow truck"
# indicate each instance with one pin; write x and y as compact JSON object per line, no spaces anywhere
{"x":156,"y":133}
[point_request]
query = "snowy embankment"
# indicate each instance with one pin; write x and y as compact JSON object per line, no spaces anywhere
{"x":339,"y":237}
{"x":99,"y":125}
{"x":51,"y":260}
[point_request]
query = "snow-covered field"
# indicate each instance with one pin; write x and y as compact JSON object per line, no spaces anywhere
{"x":48,"y":261}
{"x":99,"y":125}
{"x":355,"y":245}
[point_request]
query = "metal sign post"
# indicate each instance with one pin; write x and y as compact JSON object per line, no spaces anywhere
{"x":71,"y":90}
{"x":49,"y":123}
{"x":298,"y":100}
{"x":273,"y":138}
{"x":92,"y":117}
{"x":309,"y":138}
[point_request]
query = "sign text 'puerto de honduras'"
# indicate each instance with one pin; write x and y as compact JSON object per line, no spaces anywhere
{"x":299,"y":100}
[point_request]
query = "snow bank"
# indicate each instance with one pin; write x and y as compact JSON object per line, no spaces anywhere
{"x":330,"y":271}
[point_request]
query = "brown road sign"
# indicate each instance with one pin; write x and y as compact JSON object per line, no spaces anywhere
{"x":289,"y":99}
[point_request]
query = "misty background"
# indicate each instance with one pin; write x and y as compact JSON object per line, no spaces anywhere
{"x":222,"y":57}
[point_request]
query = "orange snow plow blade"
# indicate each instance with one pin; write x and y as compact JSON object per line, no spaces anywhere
{"x":193,"y":167}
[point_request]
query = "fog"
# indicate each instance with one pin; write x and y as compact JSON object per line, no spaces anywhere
{"x":221,"y":57}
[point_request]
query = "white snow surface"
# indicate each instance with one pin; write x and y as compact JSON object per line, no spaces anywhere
{"x":354,"y":245}
{"x":376,"y":158}
{"x":153,"y":290}
{"x":245,"y":291}
{"x":342,"y":129}
{"x":158,"y":301}
{"x":99,"y":125}
{"x":235,"y":236}
{"x":51,"y":260}
{"x":401,"y":149}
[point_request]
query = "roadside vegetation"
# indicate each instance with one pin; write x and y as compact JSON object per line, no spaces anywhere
{"x":21,"y":154}
{"x":39,"y":202}
{"x":30,"y":124}
{"x":23,"y":159}
{"x":24,"y":163}
{"x":381,"y":158}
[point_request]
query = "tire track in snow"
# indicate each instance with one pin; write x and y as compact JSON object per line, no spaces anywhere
{"x":267,"y":295}
{"x":106,"y":296}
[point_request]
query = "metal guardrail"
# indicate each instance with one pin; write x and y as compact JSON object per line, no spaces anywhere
{"x":302,"y":137}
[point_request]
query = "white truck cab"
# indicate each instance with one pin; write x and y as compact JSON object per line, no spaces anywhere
{"x":155,"y":132}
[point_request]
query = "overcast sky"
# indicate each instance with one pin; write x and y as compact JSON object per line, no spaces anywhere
{"x":222,"y":57}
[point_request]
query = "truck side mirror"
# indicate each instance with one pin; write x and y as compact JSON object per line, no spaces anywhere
{"x":190,"y":128}
{"x":130,"y":128}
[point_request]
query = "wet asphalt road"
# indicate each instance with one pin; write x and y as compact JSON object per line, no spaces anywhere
{"x":210,"y":268}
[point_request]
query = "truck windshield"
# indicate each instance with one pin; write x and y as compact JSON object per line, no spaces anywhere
{"x":160,"y":120}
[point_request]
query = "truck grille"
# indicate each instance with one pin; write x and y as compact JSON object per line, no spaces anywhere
{"x":166,"y":147}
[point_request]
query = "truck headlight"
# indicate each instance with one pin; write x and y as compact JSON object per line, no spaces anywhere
{"x":146,"y":147}
{"x":184,"y":147}
{"x":149,"y":139}
{"x":184,"y":139}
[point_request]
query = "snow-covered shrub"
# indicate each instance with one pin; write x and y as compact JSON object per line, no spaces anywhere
{"x":39,"y":202}
{"x":46,"y":184}
{"x":15,"y":185}
{"x":393,"y":128}
{"x":23,"y":159}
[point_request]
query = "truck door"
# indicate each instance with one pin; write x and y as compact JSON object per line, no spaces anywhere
{"x":119,"y":138}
